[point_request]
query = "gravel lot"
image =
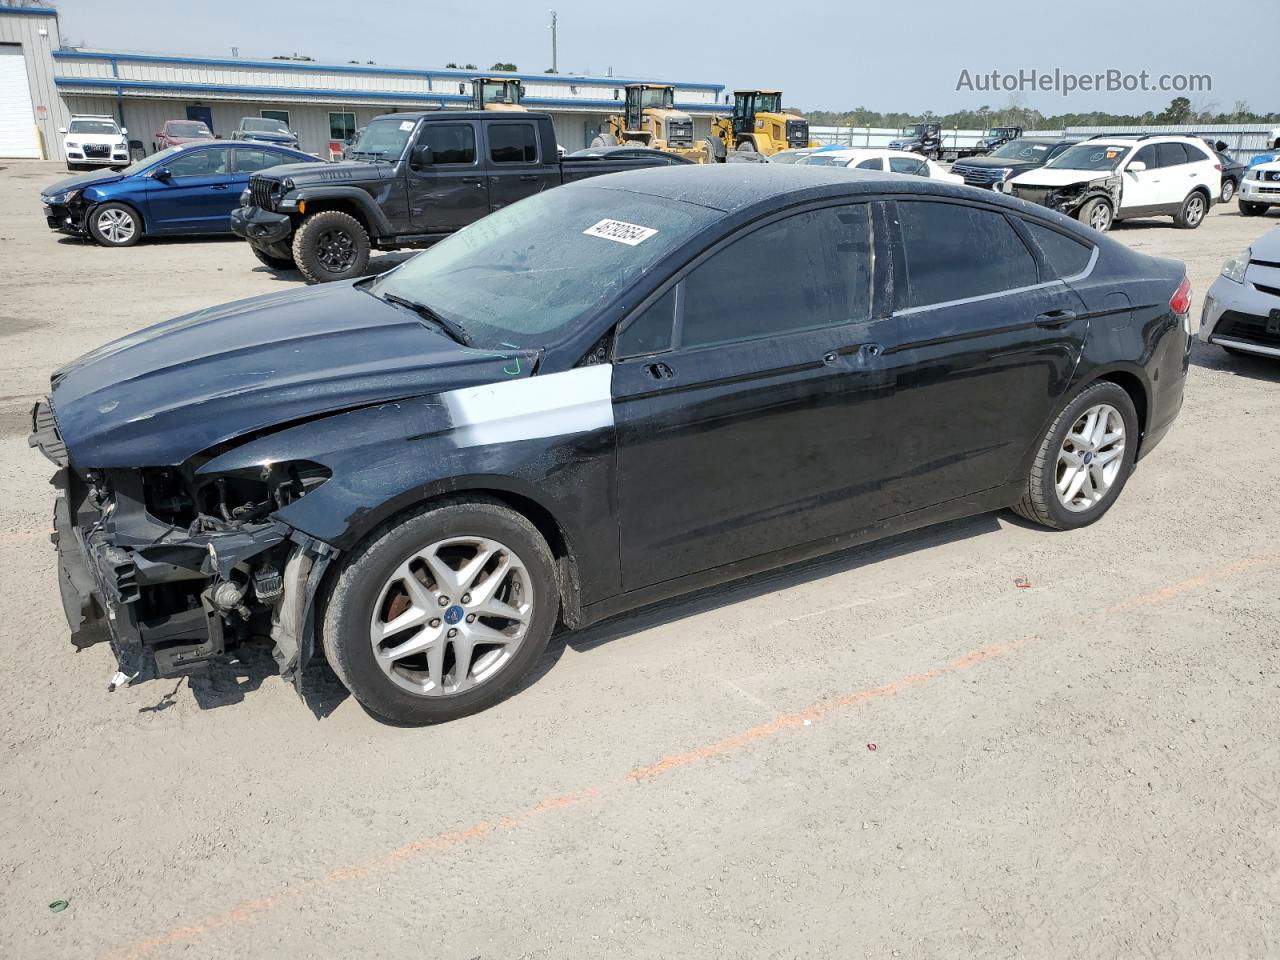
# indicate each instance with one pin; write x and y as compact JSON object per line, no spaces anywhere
{"x":895,"y":752}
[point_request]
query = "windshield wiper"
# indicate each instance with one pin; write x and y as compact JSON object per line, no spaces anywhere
{"x":451,"y":327}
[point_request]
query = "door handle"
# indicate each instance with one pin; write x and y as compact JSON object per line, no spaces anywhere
{"x":478,"y":181}
{"x":659,"y":371}
{"x":219,"y":186}
{"x":1055,"y":318}
{"x":528,"y":177}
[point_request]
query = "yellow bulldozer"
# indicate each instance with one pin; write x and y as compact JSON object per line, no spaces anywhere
{"x":759,"y":124}
{"x":497,"y":93}
{"x":650,"y":119}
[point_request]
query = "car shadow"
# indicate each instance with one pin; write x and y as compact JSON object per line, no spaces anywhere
{"x":378,"y":264}
{"x":1212,"y":357}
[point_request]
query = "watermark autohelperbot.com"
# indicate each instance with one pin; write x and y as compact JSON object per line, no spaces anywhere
{"x":1065,"y":82}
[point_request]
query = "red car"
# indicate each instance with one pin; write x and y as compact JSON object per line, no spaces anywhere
{"x":175,"y":132}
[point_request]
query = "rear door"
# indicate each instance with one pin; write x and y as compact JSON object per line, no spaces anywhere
{"x":198,"y":194}
{"x":750,"y":400}
{"x":451,"y":190}
{"x":986,"y":341}
{"x":516,"y":167}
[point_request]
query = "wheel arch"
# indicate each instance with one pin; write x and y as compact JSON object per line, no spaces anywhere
{"x":135,"y":207}
{"x":355,"y":203}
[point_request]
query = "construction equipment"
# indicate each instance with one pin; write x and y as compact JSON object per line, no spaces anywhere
{"x":650,"y":119}
{"x":497,"y":93}
{"x":760,"y":124}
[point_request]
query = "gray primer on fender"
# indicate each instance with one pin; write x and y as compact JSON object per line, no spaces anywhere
{"x":552,"y":405}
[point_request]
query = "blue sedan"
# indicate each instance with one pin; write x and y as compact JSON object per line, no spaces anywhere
{"x":188,"y":189}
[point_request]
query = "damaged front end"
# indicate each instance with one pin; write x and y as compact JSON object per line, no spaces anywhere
{"x":1069,"y":198}
{"x":174,"y":569}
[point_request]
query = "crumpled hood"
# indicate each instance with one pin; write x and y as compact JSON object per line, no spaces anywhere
{"x":166,"y":393}
{"x":1049,"y":177}
{"x":80,"y":181}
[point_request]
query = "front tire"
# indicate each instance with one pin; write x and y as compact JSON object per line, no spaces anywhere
{"x":1193,"y":211}
{"x":441,"y":614}
{"x":115,"y":225}
{"x":331,"y":245}
{"x":272,"y":260}
{"x":1097,"y":214}
{"x":1248,"y":209}
{"x":1084,"y":460}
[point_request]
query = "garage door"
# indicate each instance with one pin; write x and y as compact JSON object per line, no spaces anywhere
{"x":17,"y":125}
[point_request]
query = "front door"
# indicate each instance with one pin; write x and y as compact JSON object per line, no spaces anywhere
{"x":198,"y":194}
{"x":987,"y":340}
{"x":517,"y":168}
{"x":203,"y":114}
{"x":756,"y":425}
{"x":1144,"y":191}
{"x":449,"y":189}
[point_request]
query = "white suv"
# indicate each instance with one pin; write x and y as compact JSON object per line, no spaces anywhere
{"x":1260,"y":189}
{"x":95,"y":142}
{"x":1109,"y":178}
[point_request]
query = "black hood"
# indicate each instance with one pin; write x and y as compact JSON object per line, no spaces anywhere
{"x":999,"y":162}
{"x":81,"y":180}
{"x":321,"y":171}
{"x":166,"y":393}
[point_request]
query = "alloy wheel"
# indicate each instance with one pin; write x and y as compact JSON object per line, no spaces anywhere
{"x":451,"y":616}
{"x":1090,"y":457}
{"x":1100,"y":217}
{"x":1228,"y":191}
{"x":336,"y":250}
{"x":1195,"y":209}
{"x":116,"y":225}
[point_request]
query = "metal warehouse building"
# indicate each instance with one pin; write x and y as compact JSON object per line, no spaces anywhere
{"x":42,"y":85}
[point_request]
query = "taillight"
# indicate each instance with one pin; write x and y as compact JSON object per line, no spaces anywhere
{"x":1218,"y":167}
{"x":1180,"y":302}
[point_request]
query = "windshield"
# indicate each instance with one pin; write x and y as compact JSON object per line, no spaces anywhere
{"x":155,"y":160}
{"x":263,"y":125}
{"x":1022,"y":150}
{"x":1090,"y":156}
{"x":1003,"y":131}
{"x":187,"y":129}
{"x":94,"y":126}
{"x":385,"y":138}
{"x":521,"y":276}
{"x":916,"y":131}
{"x":659,"y":97}
{"x":495,"y":92}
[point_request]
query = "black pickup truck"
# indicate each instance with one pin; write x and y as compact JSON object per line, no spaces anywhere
{"x":410,"y":180}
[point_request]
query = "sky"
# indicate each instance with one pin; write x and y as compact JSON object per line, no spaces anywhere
{"x":823,"y":54}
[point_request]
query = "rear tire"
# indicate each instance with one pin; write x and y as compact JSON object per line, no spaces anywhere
{"x":1096,"y":213}
{"x":1043,"y":501}
{"x":272,"y":261}
{"x":331,"y":245}
{"x":605,"y":140}
{"x":1248,"y":209}
{"x":369,"y":591}
{"x":1193,"y":211}
{"x":1228,"y":191}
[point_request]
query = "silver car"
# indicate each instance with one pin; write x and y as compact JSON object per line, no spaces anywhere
{"x":1242,"y":309}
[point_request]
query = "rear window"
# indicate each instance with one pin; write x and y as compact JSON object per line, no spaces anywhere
{"x":1064,"y":256}
{"x":513,"y":143}
{"x":955,"y":252}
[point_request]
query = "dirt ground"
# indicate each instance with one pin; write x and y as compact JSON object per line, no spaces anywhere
{"x":895,"y":752}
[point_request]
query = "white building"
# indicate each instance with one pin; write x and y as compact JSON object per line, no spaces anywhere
{"x":42,"y":85}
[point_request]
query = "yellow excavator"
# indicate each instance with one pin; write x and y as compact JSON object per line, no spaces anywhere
{"x":497,"y":93}
{"x":760,"y":124}
{"x":650,"y":119}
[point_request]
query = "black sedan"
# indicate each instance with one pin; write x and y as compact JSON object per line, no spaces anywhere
{"x":597,"y":398}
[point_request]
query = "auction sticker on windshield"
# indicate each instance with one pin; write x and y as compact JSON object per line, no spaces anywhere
{"x":628,"y":233}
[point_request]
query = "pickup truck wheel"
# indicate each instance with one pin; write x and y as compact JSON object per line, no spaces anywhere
{"x":1193,"y":210}
{"x":331,"y":245}
{"x":1096,"y":214}
{"x":1248,"y":209}
{"x":115,"y":225}
{"x":269,"y":258}
{"x":441,"y":614}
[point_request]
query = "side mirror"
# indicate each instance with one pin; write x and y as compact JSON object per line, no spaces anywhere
{"x":1136,"y":167}
{"x":162,"y":174}
{"x":124,"y":131}
{"x":420,"y":156}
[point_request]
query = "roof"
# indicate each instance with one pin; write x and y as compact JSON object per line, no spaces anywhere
{"x":734,"y":187}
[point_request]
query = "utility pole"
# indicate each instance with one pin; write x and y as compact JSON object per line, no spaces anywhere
{"x":554,"y":64}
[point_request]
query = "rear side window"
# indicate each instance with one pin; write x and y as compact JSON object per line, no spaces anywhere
{"x":1064,"y":256}
{"x":955,"y":252}
{"x":449,"y":142}
{"x":809,"y":270}
{"x":872,"y":164}
{"x":1172,"y":154}
{"x":513,"y":143}
{"x":250,"y":161}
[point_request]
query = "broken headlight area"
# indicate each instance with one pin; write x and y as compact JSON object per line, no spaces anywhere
{"x":175,"y":569}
